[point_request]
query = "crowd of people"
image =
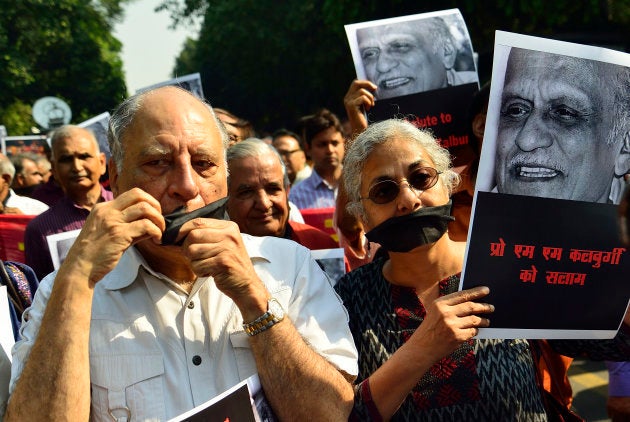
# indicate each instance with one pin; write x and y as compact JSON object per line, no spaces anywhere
{"x":130,"y":327}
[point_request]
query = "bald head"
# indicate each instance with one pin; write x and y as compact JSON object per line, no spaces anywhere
{"x":71,"y":131}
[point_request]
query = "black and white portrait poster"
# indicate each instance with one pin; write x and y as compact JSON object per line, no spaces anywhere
{"x":544,"y":231}
{"x":244,"y":402}
{"x":424,"y":68}
{"x":99,"y":125}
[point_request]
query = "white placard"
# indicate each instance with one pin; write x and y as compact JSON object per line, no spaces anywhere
{"x":6,"y":336}
{"x":331,"y":261}
{"x":59,"y":244}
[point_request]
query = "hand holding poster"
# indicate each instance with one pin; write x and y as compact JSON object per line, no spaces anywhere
{"x":544,"y":232}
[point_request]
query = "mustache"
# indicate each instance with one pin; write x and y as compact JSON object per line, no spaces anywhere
{"x":537,"y":160}
{"x":393,"y":81}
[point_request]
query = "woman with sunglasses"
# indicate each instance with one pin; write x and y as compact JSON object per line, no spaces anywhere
{"x":413,"y":330}
{"x":398,"y":182}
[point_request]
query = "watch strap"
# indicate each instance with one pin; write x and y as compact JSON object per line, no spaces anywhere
{"x":262,"y":323}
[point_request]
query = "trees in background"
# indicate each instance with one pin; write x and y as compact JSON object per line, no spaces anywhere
{"x":61,"y":48}
{"x":271,"y":62}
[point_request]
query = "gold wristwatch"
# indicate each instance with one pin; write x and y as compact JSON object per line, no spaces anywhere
{"x":274,"y":314}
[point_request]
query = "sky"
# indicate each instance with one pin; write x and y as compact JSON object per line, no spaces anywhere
{"x":149,"y":46}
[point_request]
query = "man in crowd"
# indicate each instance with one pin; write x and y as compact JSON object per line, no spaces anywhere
{"x":237,"y":128}
{"x":50,"y":191}
{"x":77,"y":164}
{"x":257,"y":188}
{"x":44,"y":166}
{"x":564,"y":128}
{"x":140,"y":330}
{"x":10,"y":202}
{"x":289,"y":147}
{"x":27,"y":174}
{"x":410,"y":57}
{"x":324,"y":139}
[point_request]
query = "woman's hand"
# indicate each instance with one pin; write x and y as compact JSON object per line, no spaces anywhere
{"x":451,"y":320}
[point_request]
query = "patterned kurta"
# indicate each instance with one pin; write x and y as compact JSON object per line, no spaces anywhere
{"x":483,"y":380}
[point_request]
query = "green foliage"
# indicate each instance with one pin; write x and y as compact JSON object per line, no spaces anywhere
{"x":61,"y":48}
{"x":271,"y":62}
{"x":17,"y":117}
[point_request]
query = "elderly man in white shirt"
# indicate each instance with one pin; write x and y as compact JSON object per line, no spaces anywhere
{"x":129,"y":328}
{"x":10,"y":202}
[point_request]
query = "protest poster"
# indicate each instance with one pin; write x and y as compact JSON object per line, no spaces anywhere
{"x":331,"y":261}
{"x":6,"y":343}
{"x":27,"y":144}
{"x":425,"y":71}
{"x":544,"y":230}
{"x":191,"y":83}
{"x":6,"y":336}
{"x":59,"y":245}
{"x":99,"y":125}
{"x":244,"y":402}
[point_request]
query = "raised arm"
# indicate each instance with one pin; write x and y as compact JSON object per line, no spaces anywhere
{"x":358,"y":100}
{"x":54,"y":375}
{"x":298,"y":382}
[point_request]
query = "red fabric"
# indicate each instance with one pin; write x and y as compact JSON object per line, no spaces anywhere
{"x":311,"y":237}
{"x":322,"y":219}
{"x":553,"y":369}
{"x":12,"y":229}
{"x":314,"y":239}
{"x":453,"y":379}
{"x":366,"y":394}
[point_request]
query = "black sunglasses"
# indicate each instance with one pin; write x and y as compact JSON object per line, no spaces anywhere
{"x":421,"y":179}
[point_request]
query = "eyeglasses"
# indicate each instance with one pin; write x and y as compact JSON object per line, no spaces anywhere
{"x":385,"y":191}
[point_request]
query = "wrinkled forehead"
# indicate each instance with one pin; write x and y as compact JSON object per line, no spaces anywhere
{"x":178,"y":115}
{"x":387,"y":33}
{"x":529,"y":66}
{"x":76,"y":140}
{"x":522,"y":57}
{"x":522,"y":61}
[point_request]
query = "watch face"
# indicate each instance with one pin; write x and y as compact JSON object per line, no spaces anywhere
{"x":276,"y":309}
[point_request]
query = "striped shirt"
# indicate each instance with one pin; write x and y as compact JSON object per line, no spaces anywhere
{"x":313,"y":192}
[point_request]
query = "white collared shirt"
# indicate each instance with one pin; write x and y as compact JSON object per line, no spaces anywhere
{"x":28,"y":206}
{"x":159,"y":352}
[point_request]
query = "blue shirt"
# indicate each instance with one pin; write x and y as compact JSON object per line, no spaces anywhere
{"x":313,"y":192}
